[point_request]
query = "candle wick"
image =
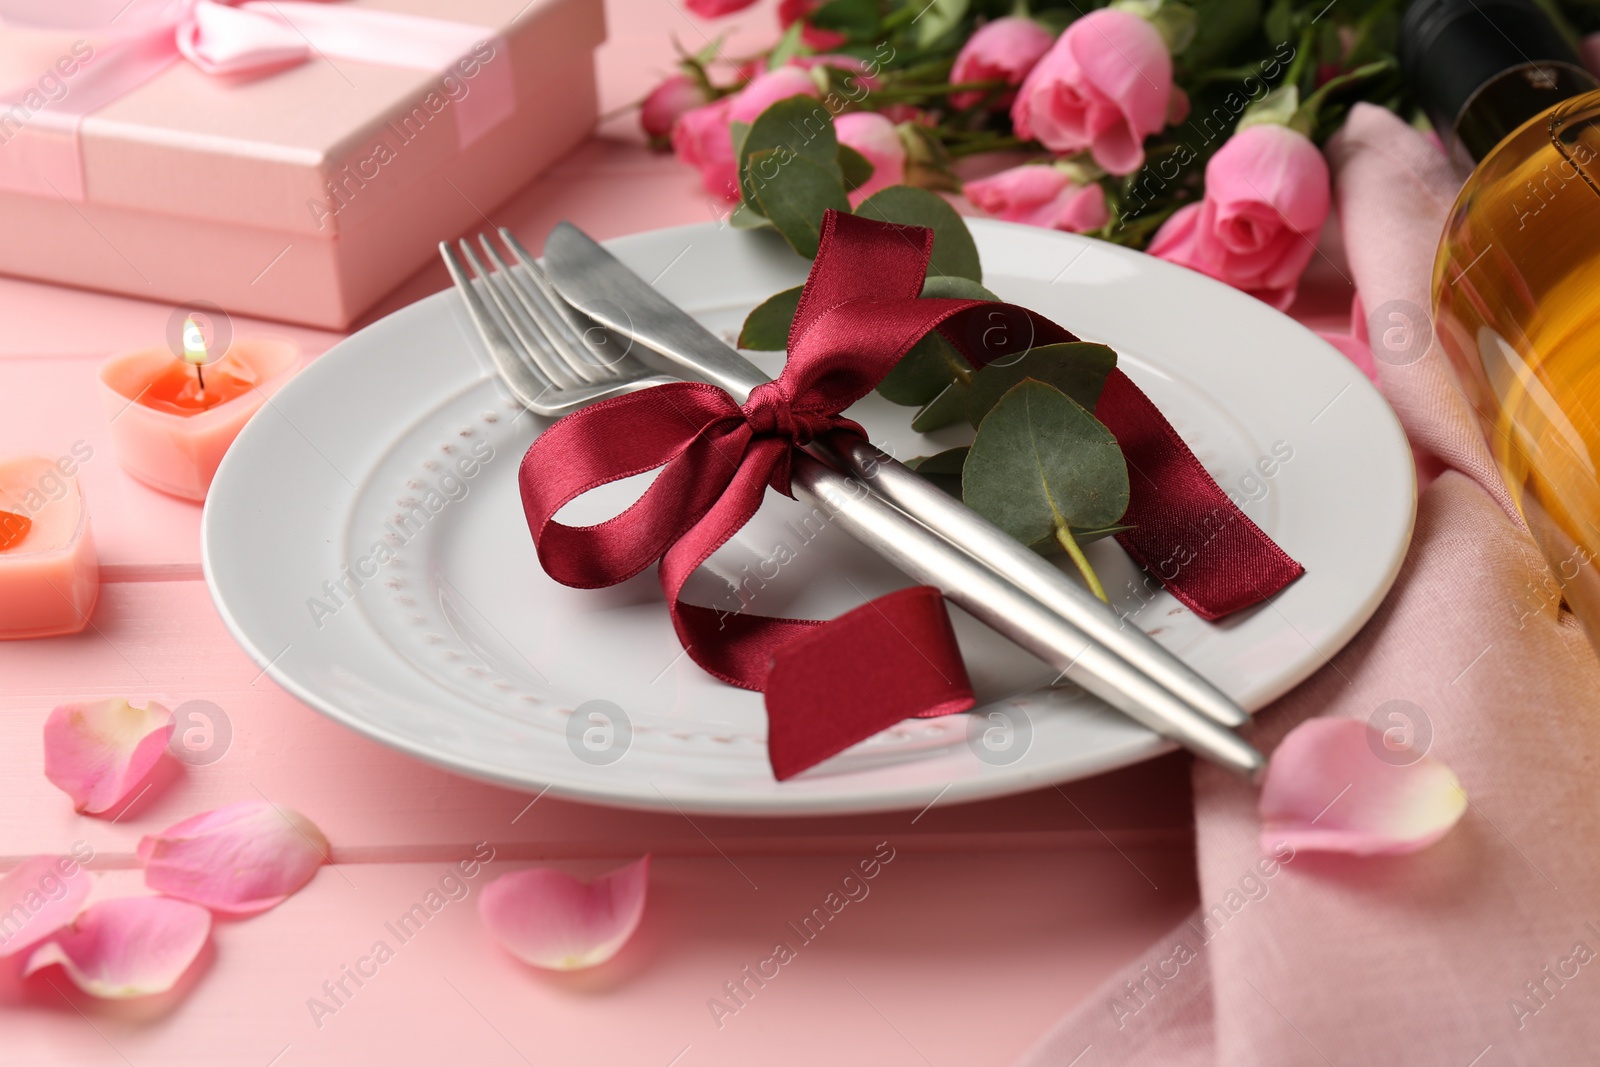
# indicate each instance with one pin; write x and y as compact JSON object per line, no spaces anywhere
{"x":200,"y":374}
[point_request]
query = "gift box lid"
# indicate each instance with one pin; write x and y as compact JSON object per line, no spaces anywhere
{"x":308,"y":148}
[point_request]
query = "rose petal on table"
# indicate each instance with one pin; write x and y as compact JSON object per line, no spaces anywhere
{"x":1328,"y":789}
{"x":237,"y":860}
{"x":97,"y":751}
{"x":127,"y":947}
{"x":37,"y":898}
{"x":550,"y":919}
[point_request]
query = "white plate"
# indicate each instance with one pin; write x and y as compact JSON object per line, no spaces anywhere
{"x":462,"y":652}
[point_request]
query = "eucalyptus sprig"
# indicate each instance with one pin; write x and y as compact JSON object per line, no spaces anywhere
{"x":1040,"y":465}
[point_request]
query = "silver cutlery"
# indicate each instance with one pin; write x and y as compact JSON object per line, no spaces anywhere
{"x":555,"y":360}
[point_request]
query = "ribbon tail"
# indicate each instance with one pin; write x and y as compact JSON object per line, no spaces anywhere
{"x":845,"y":680}
{"x":1186,"y":531}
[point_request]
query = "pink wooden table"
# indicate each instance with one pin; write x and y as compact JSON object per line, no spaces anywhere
{"x":993,"y":920}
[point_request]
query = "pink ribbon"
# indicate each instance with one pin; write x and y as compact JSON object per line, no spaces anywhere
{"x":40,"y":147}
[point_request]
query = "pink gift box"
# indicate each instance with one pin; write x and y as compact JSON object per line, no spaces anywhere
{"x":304,"y":193}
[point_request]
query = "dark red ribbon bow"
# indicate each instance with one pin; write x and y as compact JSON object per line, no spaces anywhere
{"x":831,"y":684}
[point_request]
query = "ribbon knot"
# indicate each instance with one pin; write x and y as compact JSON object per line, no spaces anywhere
{"x":831,"y":684}
{"x":771,"y":412}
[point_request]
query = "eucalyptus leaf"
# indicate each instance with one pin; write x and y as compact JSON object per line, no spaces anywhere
{"x":943,"y":469}
{"x":738,"y":133}
{"x":1041,"y":463}
{"x":797,"y":197}
{"x":857,"y":169}
{"x":745,"y":217}
{"x":954,"y":251}
{"x":1077,"y":369}
{"x":933,"y":363}
{"x":766,"y":329}
{"x":950,"y":461}
{"x":797,"y":127}
{"x":954,"y":287}
{"x":924,"y":371}
{"x":946,"y":409}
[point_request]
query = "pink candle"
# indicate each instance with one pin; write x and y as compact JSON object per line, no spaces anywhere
{"x":49,"y":574}
{"x":171,"y":422}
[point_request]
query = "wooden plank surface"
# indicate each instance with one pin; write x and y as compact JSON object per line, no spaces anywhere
{"x":951,"y":960}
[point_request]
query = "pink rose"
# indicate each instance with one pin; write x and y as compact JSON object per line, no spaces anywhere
{"x":1105,"y":85}
{"x":1040,"y":195}
{"x":792,"y":11}
{"x":875,"y":138}
{"x":1003,"y":50}
{"x":701,"y":137}
{"x":1266,"y":200}
{"x":767,"y":89}
{"x":666,"y":103}
{"x":715,"y":9}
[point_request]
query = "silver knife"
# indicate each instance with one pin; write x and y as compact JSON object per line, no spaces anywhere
{"x":1119,"y":663}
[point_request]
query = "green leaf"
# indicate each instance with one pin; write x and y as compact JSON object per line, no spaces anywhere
{"x":938,"y":19}
{"x":787,"y":48}
{"x":924,"y":371}
{"x":954,"y":251}
{"x":933,"y":363}
{"x":954,"y":287}
{"x":796,"y":127}
{"x":1079,"y":370}
{"x":1040,"y":463}
{"x":946,"y":409}
{"x":745,"y":217}
{"x":856,"y":167}
{"x":1220,"y":25}
{"x":856,"y":19}
{"x":943,"y":469}
{"x":950,"y":461}
{"x":796,"y":197}
{"x":766,"y":329}
{"x":1279,"y":23}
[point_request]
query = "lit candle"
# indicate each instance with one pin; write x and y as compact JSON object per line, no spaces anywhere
{"x":49,"y":574}
{"x":173,"y":419}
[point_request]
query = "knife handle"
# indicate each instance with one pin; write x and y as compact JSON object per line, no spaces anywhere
{"x":931,"y":560}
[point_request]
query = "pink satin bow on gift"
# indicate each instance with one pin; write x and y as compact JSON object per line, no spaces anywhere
{"x":131,"y":45}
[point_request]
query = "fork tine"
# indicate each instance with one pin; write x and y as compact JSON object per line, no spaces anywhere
{"x":557,"y":347}
{"x":557,"y":327}
{"x":576,"y":325}
{"x":534,"y":348}
{"x":523,"y":380}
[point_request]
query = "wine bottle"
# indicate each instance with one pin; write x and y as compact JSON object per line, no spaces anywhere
{"x":1516,"y":282}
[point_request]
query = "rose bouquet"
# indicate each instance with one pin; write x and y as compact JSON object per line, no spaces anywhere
{"x":1188,"y":128}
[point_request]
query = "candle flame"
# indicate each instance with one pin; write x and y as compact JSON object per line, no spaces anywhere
{"x":194,"y":343}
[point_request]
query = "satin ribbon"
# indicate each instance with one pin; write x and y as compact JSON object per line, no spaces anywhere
{"x":831,"y":684}
{"x":43,"y":155}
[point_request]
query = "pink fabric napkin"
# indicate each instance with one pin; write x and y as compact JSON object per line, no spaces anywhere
{"x":1483,"y":950}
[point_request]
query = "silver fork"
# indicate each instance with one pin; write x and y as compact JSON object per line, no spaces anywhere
{"x":556,"y":362}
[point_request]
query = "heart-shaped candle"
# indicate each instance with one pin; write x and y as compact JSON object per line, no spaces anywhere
{"x":173,"y":418}
{"x":49,"y":574}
